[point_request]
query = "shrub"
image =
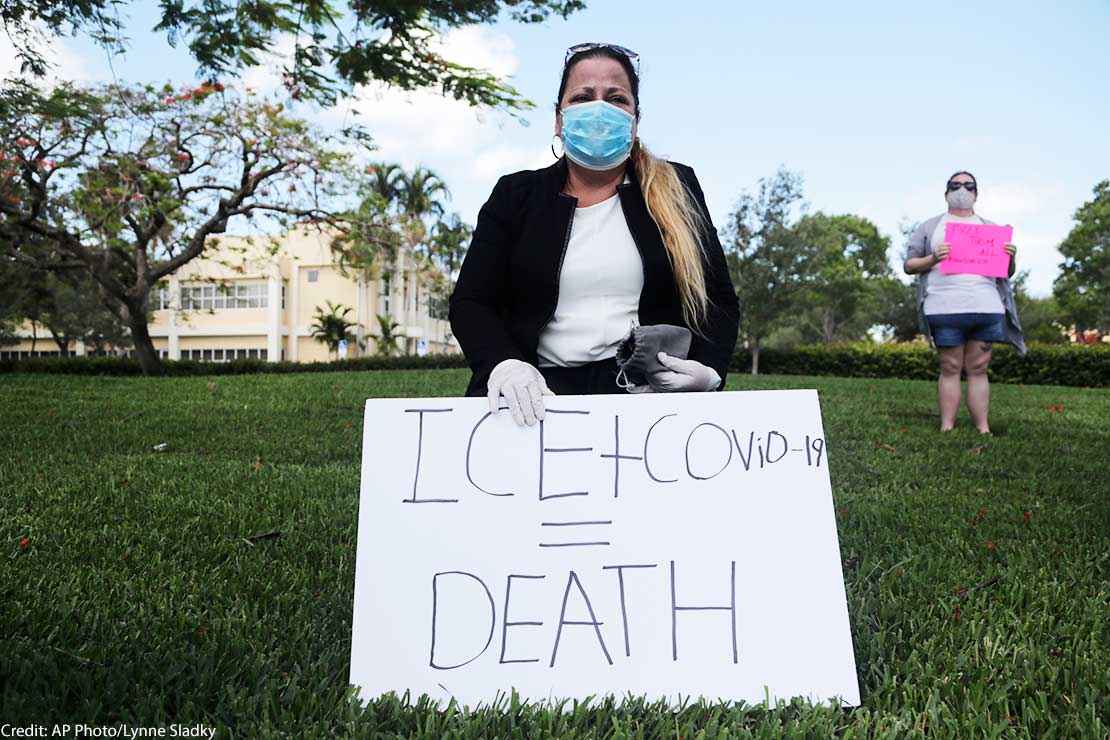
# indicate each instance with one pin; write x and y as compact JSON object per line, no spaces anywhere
{"x":130,"y":366}
{"x":1045,"y":364}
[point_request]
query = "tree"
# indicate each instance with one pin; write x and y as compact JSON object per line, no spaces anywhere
{"x":1041,"y":319}
{"x":128,"y":184}
{"x":769,"y":261}
{"x":386,"y":345}
{"x":14,"y":294}
{"x":412,"y":202}
{"x":331,"y":326}
{"x":447,"y":247}
{"x":850,"y":256}
{"x":67,"y":304}
{"x":8,"y":327}
{"x":450,"y":238}
{"x":408,"y":199}
{"x":421,"y":193}
{"x":393,"y":42}
{"x":385,"y":181}
{"x":1082,"y":289}
{"x":419,"y":198}
{"x":896,"y":308}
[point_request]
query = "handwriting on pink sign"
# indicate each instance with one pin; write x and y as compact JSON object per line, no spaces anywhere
{"x":977,"y":249}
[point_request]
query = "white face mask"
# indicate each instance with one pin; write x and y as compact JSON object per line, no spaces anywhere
{"x":961,"y":199}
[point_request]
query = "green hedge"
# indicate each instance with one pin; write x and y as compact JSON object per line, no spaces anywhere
{"x":130,"y":366}
{"x":1047,"y":364}
{"x":1044,"y":364}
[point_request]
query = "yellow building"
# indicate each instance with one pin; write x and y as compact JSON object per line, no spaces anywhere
{"x":257,"y":298}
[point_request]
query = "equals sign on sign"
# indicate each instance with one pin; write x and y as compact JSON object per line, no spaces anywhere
{"x":579,"y":540}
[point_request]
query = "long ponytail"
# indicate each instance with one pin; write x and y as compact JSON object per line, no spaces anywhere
{"x":681,"y":223}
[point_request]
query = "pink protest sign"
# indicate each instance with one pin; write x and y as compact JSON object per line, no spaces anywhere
{"x":977,"y":249}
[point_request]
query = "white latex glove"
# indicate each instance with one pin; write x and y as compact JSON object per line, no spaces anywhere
{"x":522,"y":386}
{"x":684,"y":375}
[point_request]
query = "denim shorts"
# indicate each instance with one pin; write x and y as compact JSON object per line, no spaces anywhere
{"x":956,"y":329}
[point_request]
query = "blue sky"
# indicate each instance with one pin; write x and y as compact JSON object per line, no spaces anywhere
{"x":874,"y":103}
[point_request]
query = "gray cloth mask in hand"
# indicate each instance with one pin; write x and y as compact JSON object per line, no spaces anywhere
{"x":638,"y":354}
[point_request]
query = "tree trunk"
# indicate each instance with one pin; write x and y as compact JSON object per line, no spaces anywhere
{"x":144,"y":346}
{"x":828,"y":327}
{"x":755,"y":357}
{"x":61,"y":340}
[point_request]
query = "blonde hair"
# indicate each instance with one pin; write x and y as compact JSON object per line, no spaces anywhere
{"x":681,"y":224}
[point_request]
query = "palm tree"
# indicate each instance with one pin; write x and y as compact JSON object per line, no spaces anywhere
{"x":386,"y":181}
{"x":421,"y":193}
{"x":450,"y":237}
{"x":331,"y":327}
{"x":387,"y":339}
{"x":410,"y":199}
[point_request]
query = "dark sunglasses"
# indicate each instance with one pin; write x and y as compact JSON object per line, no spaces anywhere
{"x":591,"y":45}
{"x":954,"y":186}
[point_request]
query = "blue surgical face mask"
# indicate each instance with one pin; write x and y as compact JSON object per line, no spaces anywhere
{"x":597,"y":135}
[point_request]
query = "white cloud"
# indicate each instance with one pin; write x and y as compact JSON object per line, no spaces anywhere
{"x":469,"y":147}
{"x":1037,"y":253}
{"x":498,"y":161}
{"x":64,"y":63}
{"x":1013,"y":202}
{"x":266,"y":77}
{"x":479,"y":47}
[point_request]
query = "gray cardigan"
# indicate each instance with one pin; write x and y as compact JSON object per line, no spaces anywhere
{"x":919,"y":246}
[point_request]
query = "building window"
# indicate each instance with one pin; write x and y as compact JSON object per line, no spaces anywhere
{"x":313,"y":275}
{"x":384,"y":288}
{"x":16,"y":354}
{"x":437,"y":306}
{"x":212,"y":297}
{"x":222,"y":354}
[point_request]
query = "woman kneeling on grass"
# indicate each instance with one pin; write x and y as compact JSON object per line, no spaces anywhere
{"x":569,"y":260}
{"x":961,"y":315}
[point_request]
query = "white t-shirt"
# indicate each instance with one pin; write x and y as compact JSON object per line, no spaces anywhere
{"x":959,"y":293}
{"x":599,"y":289}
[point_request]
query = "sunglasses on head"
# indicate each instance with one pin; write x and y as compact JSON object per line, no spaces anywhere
{"x":591,"y":45}
{"x":954,"y":186}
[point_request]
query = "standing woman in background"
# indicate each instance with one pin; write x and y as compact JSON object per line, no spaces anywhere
{"x":961,"y":315}
{"x":565,"y":260}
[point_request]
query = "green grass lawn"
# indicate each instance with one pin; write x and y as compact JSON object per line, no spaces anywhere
{"x":132,"y":590}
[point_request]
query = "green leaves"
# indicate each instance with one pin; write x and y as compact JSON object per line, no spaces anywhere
{"x":768,"y":262}
{"x":840,"y":300}
{"x":335,"y":47}
{"x":821,"y":277}
{"x":331,"y":326}
{"x":129,"y":183}
{"x":388,"y":335}
{"x":1083,"y":287}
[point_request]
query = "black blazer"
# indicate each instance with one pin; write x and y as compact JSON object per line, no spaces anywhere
{"x":508,"y":286}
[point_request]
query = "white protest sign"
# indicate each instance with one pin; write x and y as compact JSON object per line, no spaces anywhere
{"x":667,"y":545}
